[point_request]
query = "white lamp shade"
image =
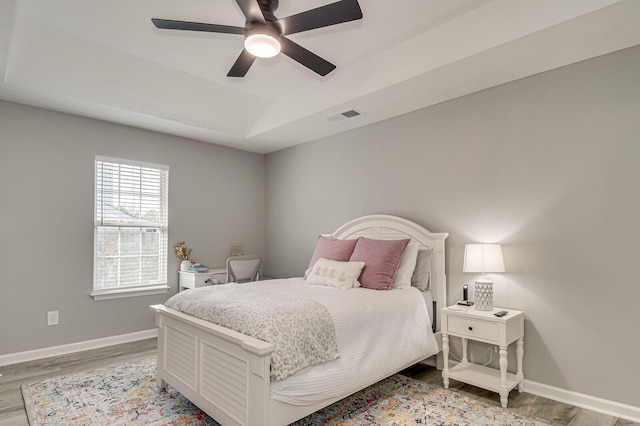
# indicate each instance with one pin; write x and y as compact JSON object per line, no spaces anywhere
{"x":483,"y":258}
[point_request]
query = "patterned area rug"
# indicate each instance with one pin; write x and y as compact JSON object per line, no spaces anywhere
{"x":127,"y":394}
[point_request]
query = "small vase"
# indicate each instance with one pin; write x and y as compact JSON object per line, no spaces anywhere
{"x":184,"y":265}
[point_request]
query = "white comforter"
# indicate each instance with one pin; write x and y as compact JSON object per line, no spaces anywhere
{"x":378,"y":332}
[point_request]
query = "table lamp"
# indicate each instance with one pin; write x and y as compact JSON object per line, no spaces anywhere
{"x":483,"y":258}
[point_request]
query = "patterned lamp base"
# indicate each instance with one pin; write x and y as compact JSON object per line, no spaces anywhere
{"x":484,"y":295}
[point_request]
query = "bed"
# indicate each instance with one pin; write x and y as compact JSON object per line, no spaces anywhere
{"x":227,"y":374}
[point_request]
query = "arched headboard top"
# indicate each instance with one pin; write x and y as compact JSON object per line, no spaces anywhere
{"x":387,"y":227}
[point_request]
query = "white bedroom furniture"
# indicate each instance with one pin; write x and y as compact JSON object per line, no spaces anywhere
{"x":483,"y":326}
{"x":483,"y":258}
{"x":227,"y":374}
{"x":190,"y":279}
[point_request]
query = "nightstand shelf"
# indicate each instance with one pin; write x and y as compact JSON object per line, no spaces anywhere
{"x":482,"y":377}
{"x":482,"y":326}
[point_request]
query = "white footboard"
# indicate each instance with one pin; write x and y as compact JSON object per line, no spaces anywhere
{"x":223,"y":372}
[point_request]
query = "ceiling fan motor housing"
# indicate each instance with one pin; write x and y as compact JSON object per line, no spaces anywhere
{"x":271,"y":5}
{"x":268,"y":8}
{"x":268,"y":28}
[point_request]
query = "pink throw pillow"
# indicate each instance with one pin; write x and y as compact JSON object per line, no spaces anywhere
{"x":330,"y":249}
{"x":381,"y":259}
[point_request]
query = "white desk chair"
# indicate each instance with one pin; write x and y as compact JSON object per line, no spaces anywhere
{"x":243,"y":268}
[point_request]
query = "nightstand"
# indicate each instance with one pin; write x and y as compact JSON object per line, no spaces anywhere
{"x":467,"y":322}
{"x":190,"y":279}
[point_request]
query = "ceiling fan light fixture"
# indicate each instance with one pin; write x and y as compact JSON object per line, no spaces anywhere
{"x":262,"y":45}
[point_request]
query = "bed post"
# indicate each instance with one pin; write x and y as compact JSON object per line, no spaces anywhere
{"x":160,"y":382}
{"x":260,"y":390}
{"x":438,"y":275}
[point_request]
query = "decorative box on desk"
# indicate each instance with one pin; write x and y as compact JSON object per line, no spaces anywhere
{"x":190,"y":279}
{"x":468,"y":323}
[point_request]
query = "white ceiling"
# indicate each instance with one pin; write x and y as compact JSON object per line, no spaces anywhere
{"x":106,"y":60}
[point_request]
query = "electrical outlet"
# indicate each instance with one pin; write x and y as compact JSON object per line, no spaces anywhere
{"x":52,"y":318}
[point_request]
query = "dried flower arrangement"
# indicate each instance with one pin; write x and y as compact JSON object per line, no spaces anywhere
{"x":182,"y":251}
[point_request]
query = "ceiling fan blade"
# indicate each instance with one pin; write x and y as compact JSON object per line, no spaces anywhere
{"x":303,"y":56}
{"x":168,"y":24}
{"x":324,"y":16}
{"x":251,"y":10}
{"x":242,"y":64}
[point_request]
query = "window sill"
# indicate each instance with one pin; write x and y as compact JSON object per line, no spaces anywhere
{"x":129,"y":292}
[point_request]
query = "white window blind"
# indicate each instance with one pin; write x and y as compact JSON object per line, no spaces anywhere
{"x":130,"y":231}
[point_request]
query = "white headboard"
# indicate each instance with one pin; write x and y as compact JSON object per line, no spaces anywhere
{"x":385,"y":227}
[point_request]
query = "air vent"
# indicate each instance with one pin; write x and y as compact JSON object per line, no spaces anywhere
{"x":344,"y":115}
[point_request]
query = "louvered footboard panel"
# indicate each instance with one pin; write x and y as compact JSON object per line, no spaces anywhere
{"x":225,"y":382}
{"x":180,"y":357}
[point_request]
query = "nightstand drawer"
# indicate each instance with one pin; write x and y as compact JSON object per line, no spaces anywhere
{"x":478,"y":330}
{"x":189,"y":279}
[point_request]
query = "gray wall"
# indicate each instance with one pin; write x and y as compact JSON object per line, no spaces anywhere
{"x":216,"y":199}
{"x":547,"y":166}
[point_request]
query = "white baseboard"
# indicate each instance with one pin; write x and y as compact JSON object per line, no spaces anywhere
{"x":76,"y":347}
{"x":611,"y":408}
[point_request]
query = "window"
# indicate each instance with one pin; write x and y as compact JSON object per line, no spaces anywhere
{"x":130,"y":228}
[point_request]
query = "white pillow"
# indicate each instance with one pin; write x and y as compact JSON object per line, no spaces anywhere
{"x":422,"y":275}
{"x":402,"y":279}
{"x":337,"y":274}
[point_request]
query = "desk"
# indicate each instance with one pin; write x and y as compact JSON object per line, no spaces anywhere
{"x":190,"y":279}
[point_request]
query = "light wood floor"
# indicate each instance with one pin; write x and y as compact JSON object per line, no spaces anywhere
{"x":12,"y":410}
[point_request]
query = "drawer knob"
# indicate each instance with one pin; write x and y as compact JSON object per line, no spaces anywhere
{"x":470,"y":328}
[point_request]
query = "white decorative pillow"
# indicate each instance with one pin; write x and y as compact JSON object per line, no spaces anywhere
{"x":402,"y":279}
{"x":337,"y":274}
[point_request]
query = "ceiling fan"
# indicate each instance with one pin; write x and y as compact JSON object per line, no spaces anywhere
{"x":264,"y":34}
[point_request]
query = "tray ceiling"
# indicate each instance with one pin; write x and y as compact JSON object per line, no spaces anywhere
{"x":106,"y":60}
